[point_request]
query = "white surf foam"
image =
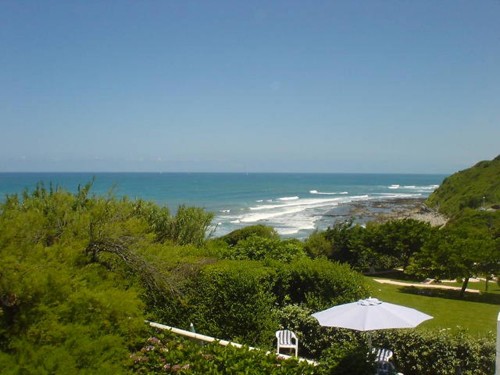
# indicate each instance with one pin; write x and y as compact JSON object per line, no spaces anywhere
{"x":415,"y":187}
{"x":399,"y":195}
{"x":288,"y":198}
{"x":295,"y":215}
{"x":316,"y":192}
{"x":294,"y":203}
{"x":291,"y":215}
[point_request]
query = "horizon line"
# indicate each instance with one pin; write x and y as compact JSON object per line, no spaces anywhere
{"x":221,"y":172}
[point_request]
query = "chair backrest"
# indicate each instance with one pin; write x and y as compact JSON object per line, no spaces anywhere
{"x":285,"y":337}
{"x":383,"y":355}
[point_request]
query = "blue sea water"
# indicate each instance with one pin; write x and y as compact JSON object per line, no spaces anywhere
{"x":293,"y":203}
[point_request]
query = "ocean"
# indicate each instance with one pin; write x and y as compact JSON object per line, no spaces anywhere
{"x":295,"y":204}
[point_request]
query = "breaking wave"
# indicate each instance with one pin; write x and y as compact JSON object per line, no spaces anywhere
{"x":327,"y":193}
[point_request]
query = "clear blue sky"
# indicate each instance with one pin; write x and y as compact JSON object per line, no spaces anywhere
{"x":266,"y":86}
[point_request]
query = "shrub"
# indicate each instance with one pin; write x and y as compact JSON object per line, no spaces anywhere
{"x":254,"y":230}
{"x":259,"y":248}
{"x":189,"y":226}
{"x":347,"y":358}
{"x":165,"y":353}
{"x":438,"y":352}
{"x":233,"y":299}
{"x":320,"y":283}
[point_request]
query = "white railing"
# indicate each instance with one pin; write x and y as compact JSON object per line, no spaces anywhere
{"x":197,"y":336}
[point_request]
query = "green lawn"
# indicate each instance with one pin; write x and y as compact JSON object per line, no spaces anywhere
{"x":475,"y":312}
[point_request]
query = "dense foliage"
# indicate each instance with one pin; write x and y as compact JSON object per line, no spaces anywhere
{"x":80,"y":273}
{"x":73,"y":283}
{"x":241,"y":300}
{"x":469,"y":246}
{"x":475,"y":187}
{"x":60,"y":311}
{"x":261,"y":231}
{"x":165,"y":353}
{"x":438,"y":352}
{"x":378,"y":246}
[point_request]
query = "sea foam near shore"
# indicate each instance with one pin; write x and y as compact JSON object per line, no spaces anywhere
{"x":299,"y":216}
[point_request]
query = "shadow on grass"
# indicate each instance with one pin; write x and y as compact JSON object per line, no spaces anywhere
{"x":394,"y":275}
{"x":490,"y":298}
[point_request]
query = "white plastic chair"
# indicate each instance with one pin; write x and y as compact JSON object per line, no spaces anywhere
{"x":383,"y":355}
{"x":288,"y":340}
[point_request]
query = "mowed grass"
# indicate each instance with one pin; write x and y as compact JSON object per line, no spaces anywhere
{"x":477,"y":313}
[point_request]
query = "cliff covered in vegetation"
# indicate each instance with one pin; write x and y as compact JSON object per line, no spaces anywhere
{"x":477,"y":187}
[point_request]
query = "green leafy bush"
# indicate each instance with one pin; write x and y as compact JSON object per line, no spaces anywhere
{"x":419,"y":352}
{"x":239,"y":300}
{"x":233,"y":300}
{"x":379,"y":246}
{"x":347,"y":358}
{"x":320,"y":283}
{"x":260,"y":248}
{"x":262,"y":231}
{"x":72,"y":279}
{"x":165,"y":353}
{"x":189,"y":226}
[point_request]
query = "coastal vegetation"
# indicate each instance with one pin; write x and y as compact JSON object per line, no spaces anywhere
{"x":81,"y":273}
{"x":477,"y":187}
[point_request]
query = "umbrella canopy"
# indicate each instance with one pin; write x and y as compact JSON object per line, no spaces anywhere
{"x":370,"y":315}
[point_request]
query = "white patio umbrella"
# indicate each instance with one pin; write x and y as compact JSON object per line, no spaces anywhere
{"x":370,"y":315}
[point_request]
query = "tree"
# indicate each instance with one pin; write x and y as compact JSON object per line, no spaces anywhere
{"x":75,"y":273}
{"x":402,"y":238}
{"x":460,"y":250}
{"x":60,"y":313}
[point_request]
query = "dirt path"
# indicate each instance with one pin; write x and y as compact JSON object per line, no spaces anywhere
{"x":420,"y":285}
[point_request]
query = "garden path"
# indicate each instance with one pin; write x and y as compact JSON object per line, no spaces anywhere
{"x":423,"y":285}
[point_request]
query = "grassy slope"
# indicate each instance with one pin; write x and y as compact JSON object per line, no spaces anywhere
{"x":476,"y":313}
{"x":466,"y":189}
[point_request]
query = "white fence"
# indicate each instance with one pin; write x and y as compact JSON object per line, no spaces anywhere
{"x":197,"y":336}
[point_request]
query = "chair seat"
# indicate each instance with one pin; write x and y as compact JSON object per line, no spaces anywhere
{"x":383,"y":358}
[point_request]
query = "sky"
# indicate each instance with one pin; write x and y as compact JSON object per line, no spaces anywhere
{"x":393,"y":86}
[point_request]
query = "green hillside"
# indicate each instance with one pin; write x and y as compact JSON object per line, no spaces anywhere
{"x":477,"y":187}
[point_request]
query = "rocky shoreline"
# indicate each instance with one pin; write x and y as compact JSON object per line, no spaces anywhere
{"x":382,"y":210}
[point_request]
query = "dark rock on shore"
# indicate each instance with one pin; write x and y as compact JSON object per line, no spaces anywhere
{"x":382,"y":210}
